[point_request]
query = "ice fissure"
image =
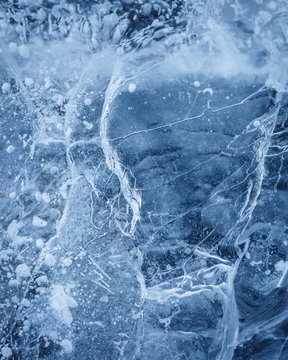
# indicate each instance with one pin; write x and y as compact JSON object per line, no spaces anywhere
{"x":143,"y":180}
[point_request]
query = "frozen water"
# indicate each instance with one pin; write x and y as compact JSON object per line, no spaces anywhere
{"x":144,"y":205}
{"x":22,"y":270}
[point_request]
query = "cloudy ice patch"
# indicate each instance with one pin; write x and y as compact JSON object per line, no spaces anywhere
{"x":38,"y":222}
{"x":61,"y":303}
{"x":22,"y":271}
{"x":67,"y":346}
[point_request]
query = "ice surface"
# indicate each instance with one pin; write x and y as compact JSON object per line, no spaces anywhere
{"x":144,"y":205}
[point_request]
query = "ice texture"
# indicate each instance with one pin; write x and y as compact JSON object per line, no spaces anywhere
{"x":144,"y":204}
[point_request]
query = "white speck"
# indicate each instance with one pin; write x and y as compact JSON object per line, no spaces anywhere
{"x":256,"y":123}
{"x":208,"y":90}
{"x":131,"y":88}
{"x":50,"y":260}
{"x":66,"y":317}
{"x":187,"y":251}
{"x":67,"y":346}
{"x":6,"y":352}
{"x":46,"y":197}
{"x":64,"y":190}
{"x":58,"y":299}
{"x":54,"y":170}
{"x":15,"y":299}
{"x":26,"y":324}
{"x":13,"y":283}
{"x":38,"y":196}
{"x":24,"y":51}
{"x":87,"y":101}
{"x":38,"y":222}
{"x":42,"y":279}
{"x":10,"y":149}
{"x":196,"y":84}
{"x":25,"y":302}
{"x":253,"y":263}
{"x":23,"y":271}
{"x":67,"y":262}
{"x":39,"y":243}
{"x":104,"y":298}
{"x":28,"y":81}
{"x":281,"y":265}
{"x":61,"y":302}
{"x":12,"y":195}
{"x":13,"y":47}
{"x":48,"y":83}
{"x":6,"y":87}
{"x":146,"y":9}
{"x":13,"y":230}
{"x":59,"y":100}
{"x":88,"y":125}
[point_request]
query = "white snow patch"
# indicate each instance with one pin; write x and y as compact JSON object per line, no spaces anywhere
{"x":12,"y":231}
{"x":67,"y":346}
{"x":12,"y":195}
{"x":208,"y":91}
{"x":50,"y":260}
{"x":25,"y":302}
{"x":22,"y":271}
{"x":67,"y":262}
{"x":88,"y":125}
{"x":6,"y":352}
{"x":28,"y":81}
{"x":39,"y":243}
{"x":64,"y":190}
{"x":24,"y":51}
{"x":4,"y":254}
{"x":48,"y":83}
{"x":46,"y":197}
{"x":87,"y":101}
{"x":42,"y":279}
{"x":54,"y":170}
{"x":38,"y":196}
{"x":10,"y":149}
{"x":26,"y":326}
{"x":281,"y":266}
{"x":196,"y":84}
{"x":6,"y":87}
{"x":15,"y":299}
{"x":38,"y":222}
{"x":13,"y":283}
{"x":61,"y":303}
{"x":13,"y":47}
{"x":132,"y":88}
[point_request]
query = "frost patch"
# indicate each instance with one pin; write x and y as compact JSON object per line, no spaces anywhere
{"x":6,"y":87}
{"x":6,"y":352}
{"x":22,"y":271}
{"x":132,"y":88}
{"x":61,"y":303}
{"x":67,"y":346}
{"x":13,"y":230}
{"x":50,"y":260}
{"x":38,"y":222}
